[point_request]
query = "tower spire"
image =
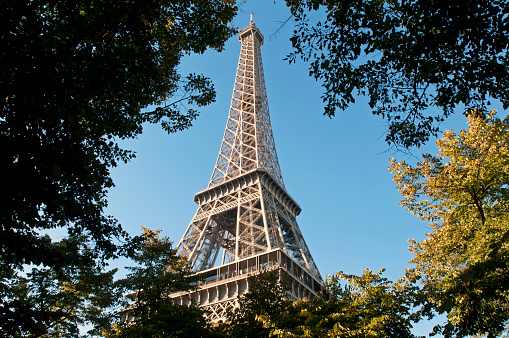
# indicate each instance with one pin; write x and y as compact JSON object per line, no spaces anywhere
{"x":248,"y":142}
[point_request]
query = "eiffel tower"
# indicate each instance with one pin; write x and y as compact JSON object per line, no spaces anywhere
{"x":245,"y":217}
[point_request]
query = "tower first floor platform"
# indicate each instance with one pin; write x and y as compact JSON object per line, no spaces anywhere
{"x":220,"y":287}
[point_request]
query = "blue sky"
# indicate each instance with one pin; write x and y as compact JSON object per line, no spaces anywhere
{"x":336,"y":169}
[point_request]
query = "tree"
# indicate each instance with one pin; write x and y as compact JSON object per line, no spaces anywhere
{"x":375,"y":306}
{"x":159,"y":273}
{"x":55,"y":302}
{"x":350,"y":306}
{"x":76,"y":77}
{"x":364,"y":306}
{"x":406,"y":56}
{"x":258,"y":309}
{"x":463,"y":193}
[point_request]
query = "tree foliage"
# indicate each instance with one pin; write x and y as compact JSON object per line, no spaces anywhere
{"x":258,"y":309}
{"x":463,"y":193}
{"x":375,"y":306}
{"x":351,"y":306}
{"x":56,"y":302}
{"x":406,"y":56}
{"x":76,"y":77}
{"x":158,"y":273}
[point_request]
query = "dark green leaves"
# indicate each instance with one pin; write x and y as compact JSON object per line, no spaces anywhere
{"x":76,"y":77}
{"x":158,"y":273}
{"x":406,"y":56}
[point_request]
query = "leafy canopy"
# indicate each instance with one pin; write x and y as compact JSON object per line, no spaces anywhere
{"x":463,"y":193}
{"x":351,"y":306}
{"x":158,"y":273}
{"x":56,"y":302}
{"x":259,"y":308}
{"x":406,"y":56}
{"x":76,"y":77}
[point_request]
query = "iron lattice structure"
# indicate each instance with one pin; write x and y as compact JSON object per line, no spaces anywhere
{"x":246,"y":212}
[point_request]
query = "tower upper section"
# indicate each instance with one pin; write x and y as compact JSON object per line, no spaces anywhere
{"x":251,"y":30}
{"x":248,"y":143}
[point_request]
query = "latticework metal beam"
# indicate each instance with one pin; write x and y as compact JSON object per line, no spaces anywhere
{"x":248,"y":142}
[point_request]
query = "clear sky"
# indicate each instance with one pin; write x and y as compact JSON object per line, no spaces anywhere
{"x":336,"y":169}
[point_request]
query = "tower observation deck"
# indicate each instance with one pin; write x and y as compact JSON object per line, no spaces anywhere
{"x":246,"y":220}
